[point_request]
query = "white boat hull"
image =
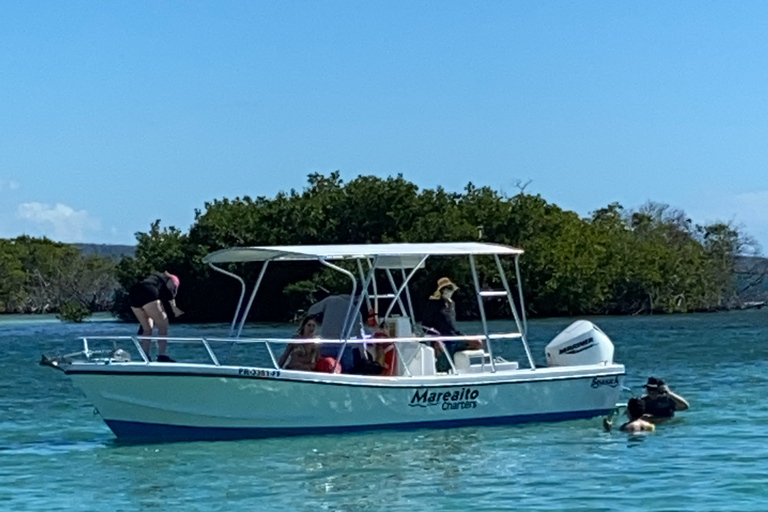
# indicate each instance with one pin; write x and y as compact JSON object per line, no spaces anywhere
{"x":174,"y":401}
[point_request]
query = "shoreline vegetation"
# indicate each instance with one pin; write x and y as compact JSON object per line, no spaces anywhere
{"x":621,"y":262}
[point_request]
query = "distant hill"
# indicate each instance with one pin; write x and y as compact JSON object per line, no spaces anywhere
{"x":752,"y":278}
{"x":106,"y":250}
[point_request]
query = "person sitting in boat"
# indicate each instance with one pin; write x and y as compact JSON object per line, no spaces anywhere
{"x":301,"y":356}
{"x":660,"y":402}
{"x":152,"y":301}
{"x":440,"y":319}
{"x":332,"y":312}
{"x":636,"y":423}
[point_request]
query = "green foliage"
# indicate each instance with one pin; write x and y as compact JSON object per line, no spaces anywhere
{"x":12,"y":277}
{"x":653,"y":259}
{"x":39,"y":276}
{"x":73,"y":311}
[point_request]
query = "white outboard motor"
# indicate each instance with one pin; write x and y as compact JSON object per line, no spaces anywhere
{"x":580,"y":343}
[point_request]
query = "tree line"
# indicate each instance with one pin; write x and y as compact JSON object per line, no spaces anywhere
{"x":38,"y":275}
{"x":653,"y":259}
{"x":615,"y":261}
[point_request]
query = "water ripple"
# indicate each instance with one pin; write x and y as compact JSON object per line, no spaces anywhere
{"x":56,"y":455}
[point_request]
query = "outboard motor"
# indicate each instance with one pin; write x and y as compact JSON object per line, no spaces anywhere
{"x":580,"y":343}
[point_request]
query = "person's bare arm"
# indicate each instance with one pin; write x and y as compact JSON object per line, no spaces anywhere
{"x":284,"y":357}
{"x":681,"y":404}
{"x":176,"y":310}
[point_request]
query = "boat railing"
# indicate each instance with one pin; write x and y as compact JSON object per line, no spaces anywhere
{"x":208,"y":343}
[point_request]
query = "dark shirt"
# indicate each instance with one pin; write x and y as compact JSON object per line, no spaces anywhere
{"x":661,"y":407}
{"x":166,"y":291}
{"x":154,"y":287}
{"x":440,"y":315}
{"x":164,"y":285}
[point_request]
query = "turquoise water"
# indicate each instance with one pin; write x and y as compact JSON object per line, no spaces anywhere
{"x":55,"y":454}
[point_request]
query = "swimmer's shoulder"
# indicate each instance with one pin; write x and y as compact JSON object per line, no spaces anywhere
{"x":638,"y":426}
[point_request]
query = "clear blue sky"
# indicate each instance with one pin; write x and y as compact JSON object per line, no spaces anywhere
{"x":114,"y":114}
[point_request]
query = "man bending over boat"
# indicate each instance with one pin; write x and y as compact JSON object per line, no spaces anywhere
{"x":152,"y":301}
{"x":660,"y":403}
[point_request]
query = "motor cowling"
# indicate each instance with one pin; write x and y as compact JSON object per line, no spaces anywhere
{"x":581,"y":343}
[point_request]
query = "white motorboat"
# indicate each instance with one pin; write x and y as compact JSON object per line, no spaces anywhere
{"x":232,"y":387}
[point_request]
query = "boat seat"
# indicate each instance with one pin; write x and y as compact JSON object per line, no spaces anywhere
{"x":479,"y":361}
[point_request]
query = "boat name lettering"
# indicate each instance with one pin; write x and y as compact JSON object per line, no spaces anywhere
{"x":578,"y":347}
{"x":605,"y":381}
{"x":464,"y":398}
{"x":258,"y":373}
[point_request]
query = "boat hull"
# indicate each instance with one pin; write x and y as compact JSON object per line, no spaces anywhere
{"x":147,"y":403}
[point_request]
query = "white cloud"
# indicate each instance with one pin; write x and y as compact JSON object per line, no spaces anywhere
{"x":8,"y":184}
{"x":68,"y":225}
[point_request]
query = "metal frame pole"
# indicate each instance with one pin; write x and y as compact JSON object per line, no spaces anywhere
{"x":404,"y":286}
{"x":520,"y":327}
{"x":520,"y":293}
{"x":481,"y":307}
{"x":253,"y":296}
{"x":242,"y":295}
{"x":345,"y":328}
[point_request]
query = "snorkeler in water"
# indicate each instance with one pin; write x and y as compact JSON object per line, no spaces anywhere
{"x":660,"y":403}
{"x":636,"y":423}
